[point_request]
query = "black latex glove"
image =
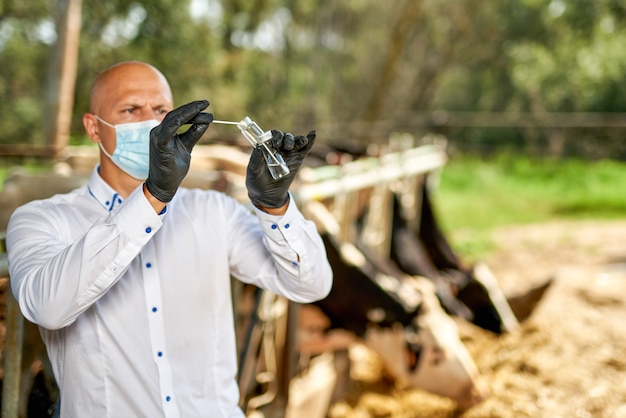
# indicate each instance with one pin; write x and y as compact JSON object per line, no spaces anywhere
{"x":170,"y":152}
{"x":263,"y":190}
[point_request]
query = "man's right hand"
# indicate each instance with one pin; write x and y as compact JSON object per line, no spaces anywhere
{"x":263,"y":190}
{"x":170,"y":152}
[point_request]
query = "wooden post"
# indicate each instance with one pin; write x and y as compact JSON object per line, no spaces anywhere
{"x":62,"y":76}
{"x":12,"y":358}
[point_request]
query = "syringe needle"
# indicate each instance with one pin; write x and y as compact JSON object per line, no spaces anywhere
{"x":225,"y":122}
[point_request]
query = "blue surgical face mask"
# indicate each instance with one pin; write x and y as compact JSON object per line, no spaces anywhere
{"x":132,"y":147}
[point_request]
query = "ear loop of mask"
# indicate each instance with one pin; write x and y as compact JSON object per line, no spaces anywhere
{"x":100,"y":143}
{"x":104,"y":121}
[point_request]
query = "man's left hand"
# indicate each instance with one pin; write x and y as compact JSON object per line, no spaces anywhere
{"x":263,"y":190}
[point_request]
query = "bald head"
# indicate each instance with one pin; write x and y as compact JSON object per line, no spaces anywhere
{"x":125,"y":78}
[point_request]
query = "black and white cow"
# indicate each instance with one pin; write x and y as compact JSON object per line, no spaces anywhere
{"x":469,"y":292}
{"x":398,"y":316}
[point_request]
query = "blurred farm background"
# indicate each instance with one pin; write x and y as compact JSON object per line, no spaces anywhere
{"x":530,"y":97}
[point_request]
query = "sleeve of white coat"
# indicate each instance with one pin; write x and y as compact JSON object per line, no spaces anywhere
{"x":298,"y":252}
{"x":55,"y":277}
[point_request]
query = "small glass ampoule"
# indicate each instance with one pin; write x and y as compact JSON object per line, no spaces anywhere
{"x":262,"y":140}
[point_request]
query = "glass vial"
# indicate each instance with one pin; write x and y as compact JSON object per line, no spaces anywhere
{"x":262,"y":140}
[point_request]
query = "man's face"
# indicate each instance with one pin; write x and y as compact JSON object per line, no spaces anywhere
{"x":130,"y":93}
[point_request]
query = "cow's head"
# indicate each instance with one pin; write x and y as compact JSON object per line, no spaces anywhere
{"x":431,"y":355}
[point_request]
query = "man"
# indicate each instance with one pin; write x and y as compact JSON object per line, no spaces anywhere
{"x":128,"y":277}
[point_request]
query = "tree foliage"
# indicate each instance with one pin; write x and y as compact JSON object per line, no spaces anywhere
{"x":340,"y":66}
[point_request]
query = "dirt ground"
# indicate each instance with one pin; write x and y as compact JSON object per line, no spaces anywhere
{"x":568,"y":359}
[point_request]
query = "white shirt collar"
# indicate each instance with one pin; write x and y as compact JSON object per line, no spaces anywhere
{"x":102,"y":192}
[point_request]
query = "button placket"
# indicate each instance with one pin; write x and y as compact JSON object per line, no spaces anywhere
{"x":154,"y":303}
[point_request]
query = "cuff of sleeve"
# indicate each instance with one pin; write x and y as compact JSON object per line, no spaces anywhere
{"x":276,"y":227}
{"x":138,"y":219}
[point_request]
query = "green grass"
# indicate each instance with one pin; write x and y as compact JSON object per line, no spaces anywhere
{"x":4,"y":171}
{"x":477,"y":196}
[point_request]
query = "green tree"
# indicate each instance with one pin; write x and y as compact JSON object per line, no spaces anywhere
{"x":355,"y":70}
{"x":26,"y":33}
